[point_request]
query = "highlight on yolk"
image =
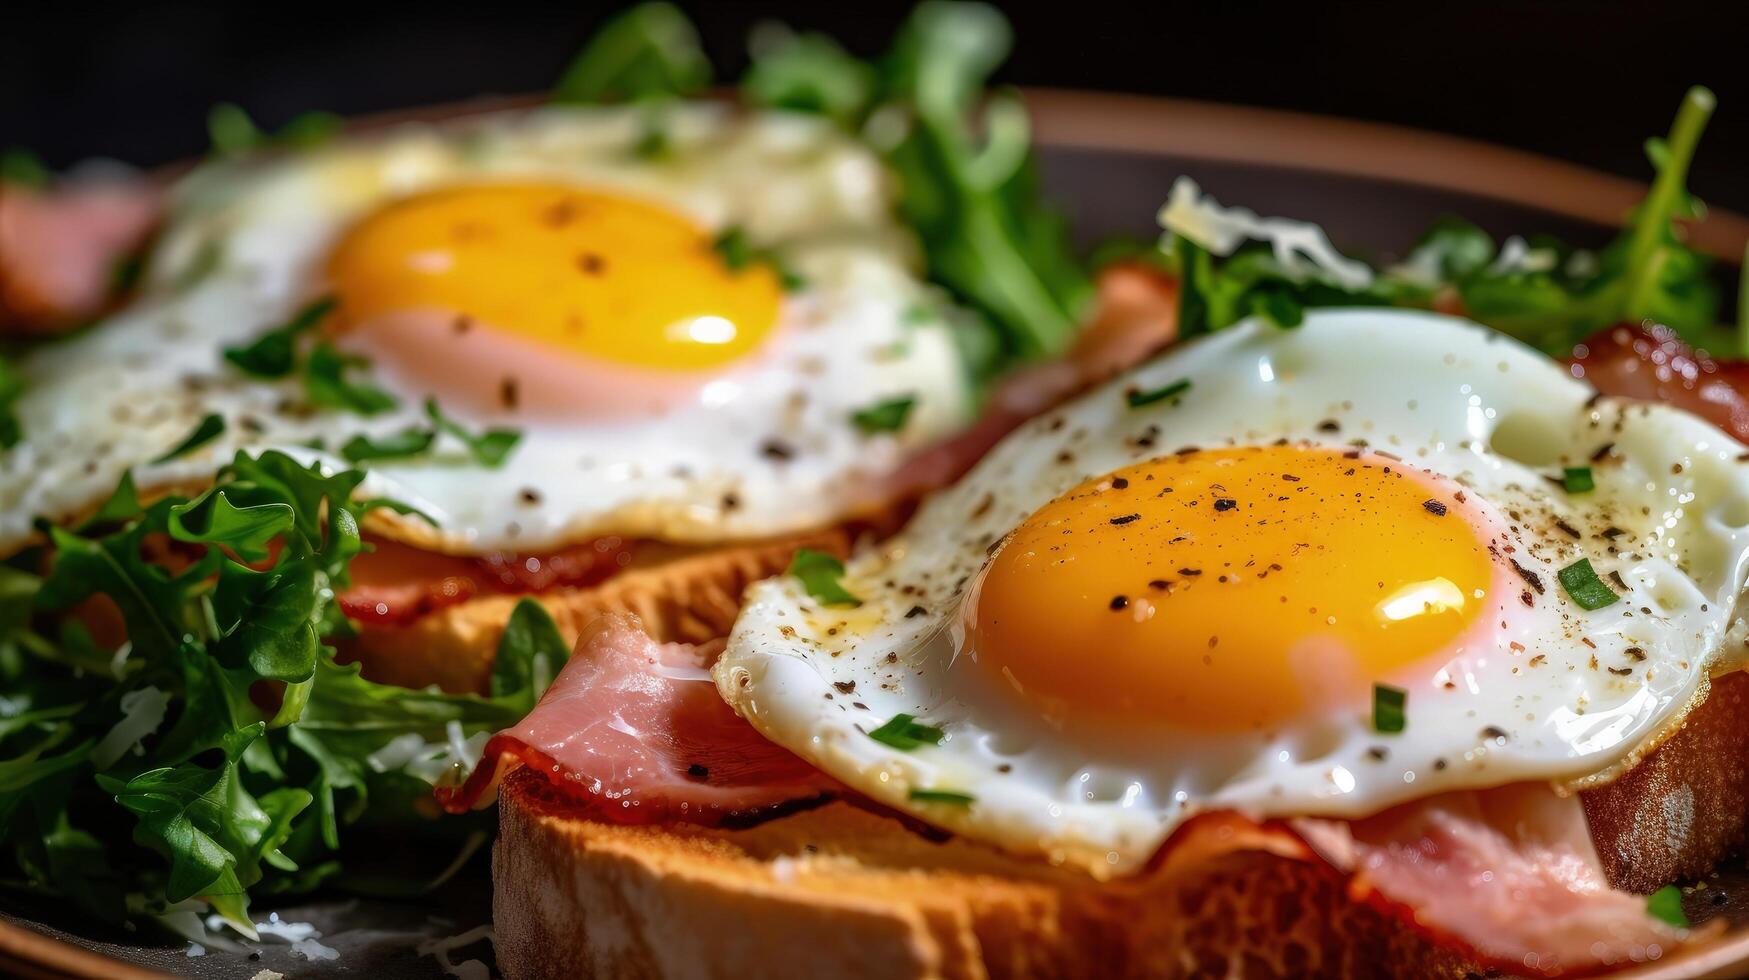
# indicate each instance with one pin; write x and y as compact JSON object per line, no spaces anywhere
{"x":1230,"y":589}
{"x":596,"y":274}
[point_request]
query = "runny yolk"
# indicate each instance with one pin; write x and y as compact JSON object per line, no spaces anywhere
{"x":1231,"y":589}
{"x":588,"y":272}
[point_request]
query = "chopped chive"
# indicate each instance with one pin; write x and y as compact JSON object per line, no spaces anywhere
{"x":398,"y":445}
{"x":1584,"y":587}
{"x":1139,"y":398}
{"x":210,"y":428}
{"x":1388,"y":708}
{"x":904,"y":733}
{"x":945,"y":796}
{"x":1577,"y":479}
{"x":819,"y":573}
{"x":887,"y":416}
{"x":1665,"y":905}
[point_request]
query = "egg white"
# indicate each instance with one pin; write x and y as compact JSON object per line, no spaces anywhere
{"x":1442,"y":394}
{"x":244,"y":250}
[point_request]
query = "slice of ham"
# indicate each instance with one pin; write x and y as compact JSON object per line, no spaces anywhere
{"x":1650,"y":363}
{"x":1510,"y":873}
{"x":396,"y":583}
{"x":59,"y":250}
{"x":633,"y":731}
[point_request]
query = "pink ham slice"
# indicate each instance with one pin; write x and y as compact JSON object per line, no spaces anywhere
{"x":633,"y":731}
{"x":59,"y":250}
{"x":1510,"y":873}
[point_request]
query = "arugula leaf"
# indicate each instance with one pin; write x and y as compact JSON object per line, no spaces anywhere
{"x":211,"y":518}
{"x":11,"y":389}
{"x":274,"y":353}
{"x":490,"y":448}
{"x":883,"y":416}
{"x":232,"y":132}
{"x":650,"y":51}
{"x":24,"y":168}
{"x":326,"y":385}
{"x":966,"y":174}
{"x":807,"y":73}
{"x":205,"y":431}
{"x":530,"y":654}
{"x":272,"y":748}
{"x":819,"y":574}
{"x":123,"y":504}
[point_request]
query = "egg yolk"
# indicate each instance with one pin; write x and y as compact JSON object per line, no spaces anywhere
{"x":586,"y":272}
{"x":1231,"y":589}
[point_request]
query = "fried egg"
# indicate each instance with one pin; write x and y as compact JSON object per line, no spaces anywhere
{"x":1317,"y":571}
{"x":683,"y":333}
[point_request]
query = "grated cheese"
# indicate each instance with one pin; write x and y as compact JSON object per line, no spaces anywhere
{"x":1300,"y":247}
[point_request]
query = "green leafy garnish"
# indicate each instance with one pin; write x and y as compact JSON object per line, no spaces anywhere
{"x":650,"y":51}
{"x":1665,"y":905}
{"x":489,"y":448}
{"x":944,"y":796}
{"x":738,"y":252}
{"x":11,"y":389}
{"x":20,"y":166}
{"x":1538,"y":289}
{"x":274,"y":353}
{"x":819,"y":574}
{"x":205,"y":431}
{"x":409,"y":442}
{"x":904,"y":733}
{"x":530,"y":654}
{"x":1389,"y":708}
{"x":266,"y":749}
{"x":1577,"y":479}
{"x":1137,"y":398}
{"x":1584,"y":587}
{"x":965,"y":168}
{"x":326,"y":384}
{"x":232,"y":132}
{"x":883,"y":416}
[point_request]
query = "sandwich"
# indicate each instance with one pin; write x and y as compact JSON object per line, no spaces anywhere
{"x":385,"y":418}
{"x":1340,"y":639}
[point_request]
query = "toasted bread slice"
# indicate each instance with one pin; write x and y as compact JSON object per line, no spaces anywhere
{"x":842,"y":891}
{"x":689,"y":599}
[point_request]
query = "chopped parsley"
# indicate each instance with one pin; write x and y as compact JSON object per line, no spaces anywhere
{"x":274,"y":353}
{"x":819,"y":574}
{"x":1665,"y":905}
{"x":205,"y":431}
{"x":490,"y":448}
{"x":738,"y":252}
{"x":11,"y":389}
{"x":326,"y":383}
{"x":1389,"y":708}
{"x":886,"y":416}
{"x":944,"y":796}
{"x":1584,"y":587}
{"x":400,"y":445}
{"x":904,"y":733}
{"x":1577,"y":479}
{"x":1138,"y":397}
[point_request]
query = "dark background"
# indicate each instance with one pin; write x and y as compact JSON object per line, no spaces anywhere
{"x":1583,"y":81}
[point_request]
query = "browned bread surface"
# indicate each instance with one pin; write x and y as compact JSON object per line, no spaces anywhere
{"x":842,"y":891}
{"x":689,"y":599}
{"x":1686,"y":805}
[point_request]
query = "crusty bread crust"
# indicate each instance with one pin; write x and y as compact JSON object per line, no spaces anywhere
{"x":843,"y":891}
{"x":690,"y":599}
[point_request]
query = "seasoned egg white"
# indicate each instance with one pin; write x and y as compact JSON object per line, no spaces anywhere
{"x":1213,"y":583}
{"x":755,"y":444}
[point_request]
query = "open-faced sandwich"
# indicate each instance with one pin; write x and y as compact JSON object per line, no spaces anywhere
{"x":1386,"y":623}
